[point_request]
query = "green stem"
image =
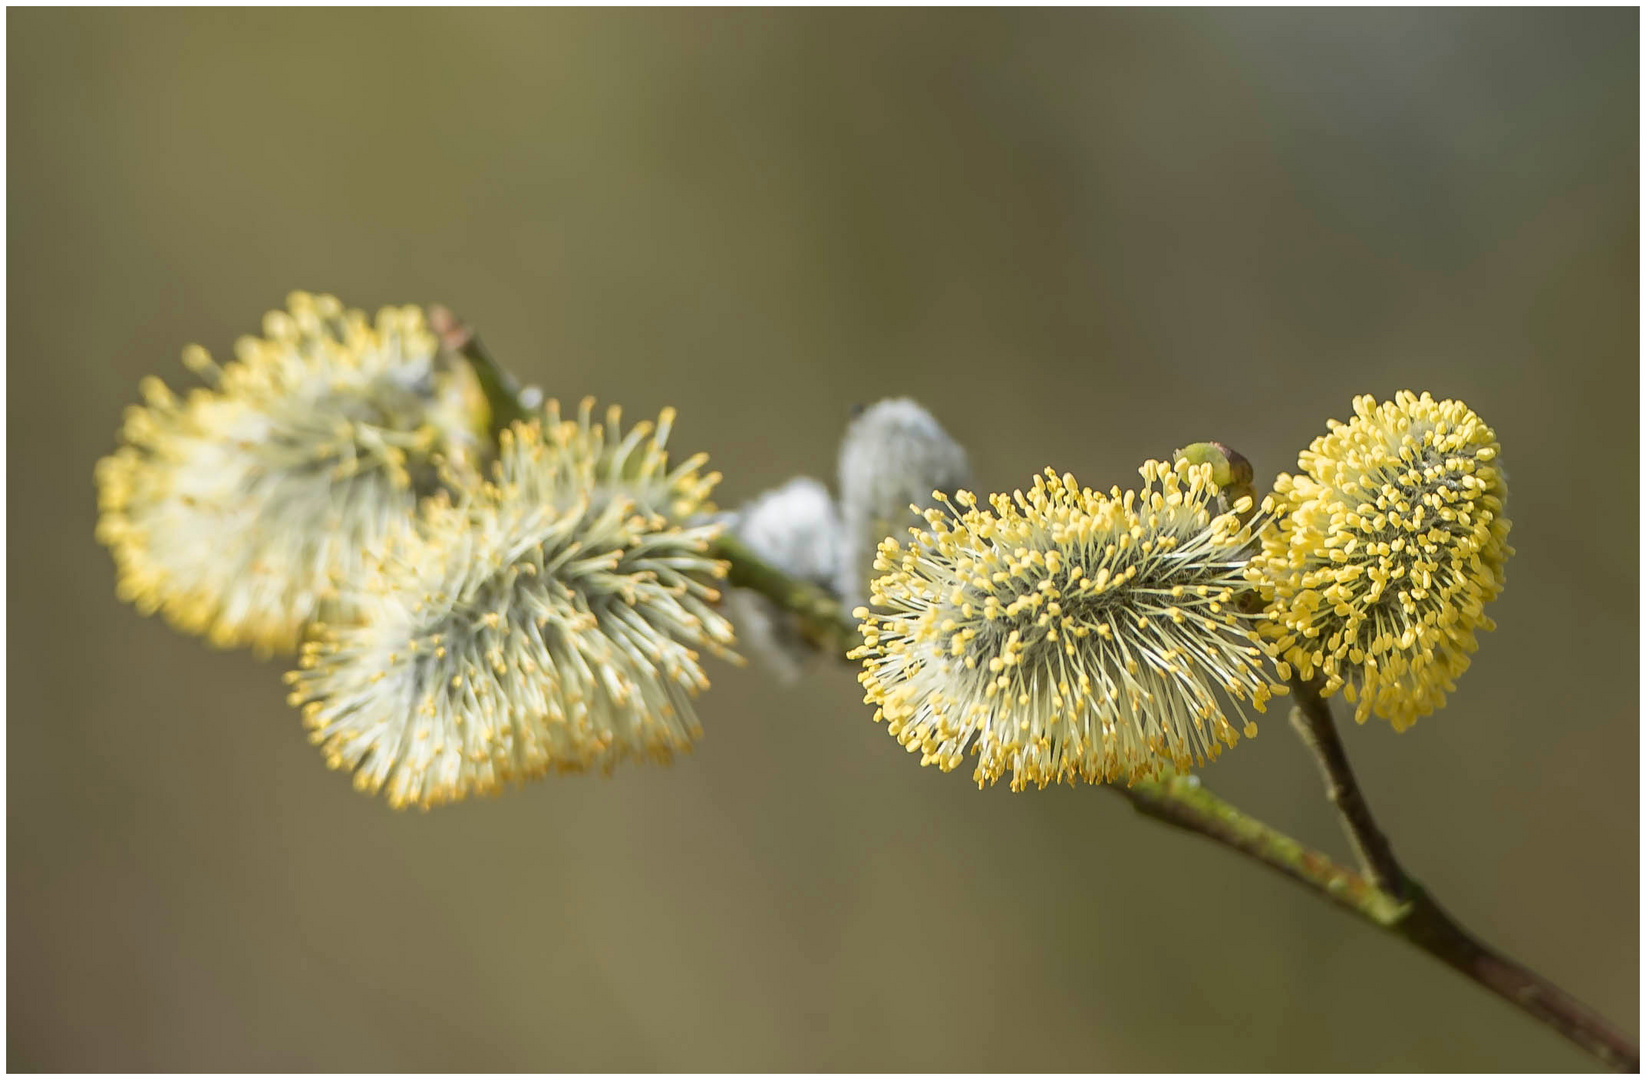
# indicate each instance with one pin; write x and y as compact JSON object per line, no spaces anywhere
{"x":1182,"y":802}
{"x":824,"y":624}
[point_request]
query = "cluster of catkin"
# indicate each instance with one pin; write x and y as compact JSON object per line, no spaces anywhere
{"x":472,"y":607}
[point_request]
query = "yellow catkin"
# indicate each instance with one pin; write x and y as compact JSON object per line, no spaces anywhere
{"x":1384,"y":552}
{"x":1067,"y":635}
{"x":236,"y":509}
{"x":550,"y":621}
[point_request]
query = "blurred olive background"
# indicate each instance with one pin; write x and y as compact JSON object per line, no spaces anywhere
{"x":1081,"y":238}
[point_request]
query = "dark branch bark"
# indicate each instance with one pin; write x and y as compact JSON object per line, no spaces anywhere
{"x":1312,"y":718}
{"x":1425,"y":923}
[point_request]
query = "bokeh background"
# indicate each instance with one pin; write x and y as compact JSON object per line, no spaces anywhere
{"x":1081,"y":238}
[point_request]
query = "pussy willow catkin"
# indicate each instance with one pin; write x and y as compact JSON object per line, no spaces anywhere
{"x":1384,"y":552}
{"x":548,"y":622}
{"x":1064,"y":634}
{"x":237,"y":509}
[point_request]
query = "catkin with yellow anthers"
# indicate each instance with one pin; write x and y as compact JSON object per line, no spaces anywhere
{"x":530,"y":628}
{"x":582,"y":455}
{"x":1383,"y":553}
{"x":1067,"y":635}
{"x":235,"y":510}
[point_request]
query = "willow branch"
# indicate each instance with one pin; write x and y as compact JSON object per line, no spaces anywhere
{"x":1384,"y":896}
{"x":1426,"y":924}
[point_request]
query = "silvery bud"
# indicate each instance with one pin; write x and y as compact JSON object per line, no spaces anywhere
{"x":894,"y":455}
{"x":795,"y":528}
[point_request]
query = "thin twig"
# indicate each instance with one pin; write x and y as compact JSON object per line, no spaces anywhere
{"x":1183,"y":802}
{"x":1425,"y":923}
{"x":1434,"y":931}
{"x":1312,"y":718}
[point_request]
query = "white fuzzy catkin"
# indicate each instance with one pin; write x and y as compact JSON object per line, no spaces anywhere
{"x":795,"y":528}
{"x":894,"y":455}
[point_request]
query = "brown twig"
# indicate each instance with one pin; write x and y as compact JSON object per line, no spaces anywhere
{"x":1425,"y":923}
{"x":1312,"y":719}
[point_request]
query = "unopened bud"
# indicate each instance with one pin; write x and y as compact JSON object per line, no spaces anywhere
{"x":1231,"y":472}
{"x":795,"y":528}
{"x":894,"y":456}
